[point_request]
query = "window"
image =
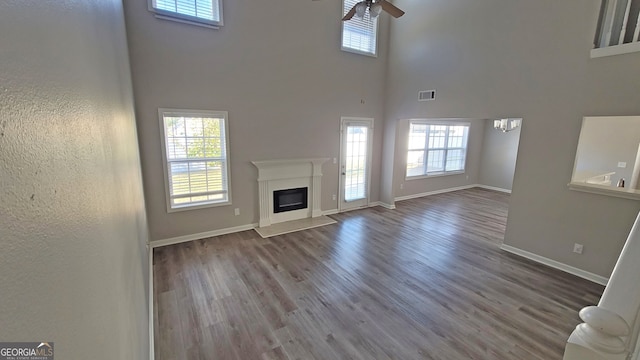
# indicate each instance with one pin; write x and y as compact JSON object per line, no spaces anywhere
{"x":359,"y":35}
{"x":436,"y":148}
{"x":618,"y":30}
{"x":195,"y":153}
{"x":199,"y":12}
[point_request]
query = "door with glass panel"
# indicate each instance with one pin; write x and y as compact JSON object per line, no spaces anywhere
{"x":355,"y":162}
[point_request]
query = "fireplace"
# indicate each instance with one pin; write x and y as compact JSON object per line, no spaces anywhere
{"x":289,"y":174}
{"x":290,"y":199}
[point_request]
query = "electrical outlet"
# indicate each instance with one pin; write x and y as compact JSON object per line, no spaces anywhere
{"x":236,"y":211}
{"x":577,"y":248}
{"x":622,"y":164}
{"x":333,"y":197}
{"x":401,"y":186}
{"x":335,"y":160}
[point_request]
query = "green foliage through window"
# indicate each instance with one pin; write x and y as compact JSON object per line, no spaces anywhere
{"x":196,"y":156}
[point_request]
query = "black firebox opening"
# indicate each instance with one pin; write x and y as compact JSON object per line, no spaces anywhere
{"x":289,"y":200}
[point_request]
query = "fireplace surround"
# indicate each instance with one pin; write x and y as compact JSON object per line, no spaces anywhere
{"x":287,"y":174}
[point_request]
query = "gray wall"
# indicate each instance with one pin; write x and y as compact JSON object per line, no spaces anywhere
{"x":419,"y":186}
{"x":499,"y":154}
{"x":72,"y":221}
{"x":277,"y":68}
{"x":529,"y":58}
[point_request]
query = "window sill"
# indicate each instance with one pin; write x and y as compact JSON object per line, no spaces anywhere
{"x":420,"y":177}
{"x":354,"y":51}
{"x":625,"y":193}
{"x":616,"y":50}
{"x":197,"y":206}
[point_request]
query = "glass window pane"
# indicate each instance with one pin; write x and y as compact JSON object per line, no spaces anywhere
{"x":437,"y":135}
{"x":356,"y":162}
{"x":445,"y":148}
{"x":455,"y":160}
{"x":417,"y":136}
{"x":415,"y":163}
{"x":359,"y":34}
{"x":435,"y":161}
{"x":203,"y":9}
{"x":190,"y":141}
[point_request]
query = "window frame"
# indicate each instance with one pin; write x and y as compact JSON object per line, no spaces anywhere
{"x":375,"y":28}
{"x":187,"y":19}
{"x":446,"y":149}
{"x":165,"y":160}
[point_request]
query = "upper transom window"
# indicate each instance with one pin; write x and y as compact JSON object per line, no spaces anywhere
{"x":359,"y":35}
{"x":199,"y":12}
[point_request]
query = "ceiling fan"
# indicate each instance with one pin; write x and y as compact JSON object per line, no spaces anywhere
{"x":375,"y":8}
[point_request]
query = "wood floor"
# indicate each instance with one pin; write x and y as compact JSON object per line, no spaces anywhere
{"x":424,"y":281}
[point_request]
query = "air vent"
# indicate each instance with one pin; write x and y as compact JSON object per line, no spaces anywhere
{"x":426,"y":95}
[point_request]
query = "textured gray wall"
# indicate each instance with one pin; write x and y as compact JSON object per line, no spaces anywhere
{"x":73,"y":264}
{"x":526,"y":59}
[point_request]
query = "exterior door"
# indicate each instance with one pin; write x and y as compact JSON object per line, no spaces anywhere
{"x":355,"y":162}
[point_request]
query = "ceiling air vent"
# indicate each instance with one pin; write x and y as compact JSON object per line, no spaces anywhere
{"x":426,"y":95}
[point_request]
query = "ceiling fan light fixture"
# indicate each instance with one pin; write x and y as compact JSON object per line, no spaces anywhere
{"x":375,"y":10}
{"x":360,"y":9}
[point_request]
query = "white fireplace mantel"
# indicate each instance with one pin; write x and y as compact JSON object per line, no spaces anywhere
{"x":278,"y":174}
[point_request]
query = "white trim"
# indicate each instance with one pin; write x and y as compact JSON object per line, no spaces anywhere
{"x":344,"y":122}
{"x":556,"y":264}
{"x":435,"y":192}
{"x":508,"y":191}
{"x":376,"y":32}
{"x":330,"y":212}
{"x":165,"y":161}
{"x":188,"y":22}
{"x":615,"y":50}
{"x":187,"y":19}
{"x":382,"y":204}
{"x":426,"y":148}
{"x":625,"y":193}
{"x":443,"y":122}
{"x":434,"y":175}
{"x":281,"y":174}
{"x":151,"y":318}
{"x":355,"y":208}
{"x":202,"y":235}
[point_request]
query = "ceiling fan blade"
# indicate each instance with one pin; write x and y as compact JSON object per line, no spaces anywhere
{"x":391,"y":9}
{"x":350,"y":13}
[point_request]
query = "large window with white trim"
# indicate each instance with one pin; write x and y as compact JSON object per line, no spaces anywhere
{"x":200,"y":12}
{"x":196,"y":158}
{"x":436,"y":148}
{"x":359,"y":35}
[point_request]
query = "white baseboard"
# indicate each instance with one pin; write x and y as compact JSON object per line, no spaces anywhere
{"x":493,"y":188}
{"x":383,"y":204}
{"x":556,"y":265}
{"x":150,"y":289}
{"x":330,"y":212}
{"x":202,"y":235}
{"x":435,"y":192}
